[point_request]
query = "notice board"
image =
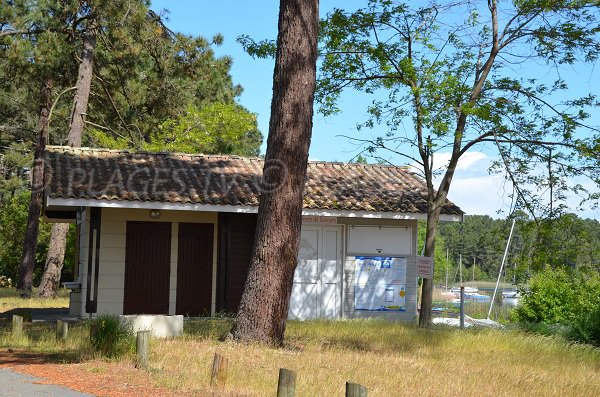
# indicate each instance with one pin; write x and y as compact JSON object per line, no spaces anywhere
{"x":380,"y":283}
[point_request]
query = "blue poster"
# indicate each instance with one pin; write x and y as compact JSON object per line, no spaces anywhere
{"x":380,"y":283}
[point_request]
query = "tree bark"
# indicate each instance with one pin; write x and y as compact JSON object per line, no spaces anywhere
{"x":263,"y":309}
{"x":58,"y":240}
{"x":35,"y":205}
{"x":433,"y":219}
{"x":54,"y":261}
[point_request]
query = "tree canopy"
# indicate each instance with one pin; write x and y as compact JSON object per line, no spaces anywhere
{"x":144,"y":75}
{"x":446,"y":77}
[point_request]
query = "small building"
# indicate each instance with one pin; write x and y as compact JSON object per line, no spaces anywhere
{"x":163,"y":233}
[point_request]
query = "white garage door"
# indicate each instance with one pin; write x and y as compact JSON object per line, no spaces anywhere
{"x":380,"y":240}
{"x":316,"y":292}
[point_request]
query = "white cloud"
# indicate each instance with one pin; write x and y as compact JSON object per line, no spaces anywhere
{"x":475,"y":191}
{"x":481,"y":195}
{"x":468,"y":161}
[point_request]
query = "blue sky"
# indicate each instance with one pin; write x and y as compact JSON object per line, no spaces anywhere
{"x":473,"y":189}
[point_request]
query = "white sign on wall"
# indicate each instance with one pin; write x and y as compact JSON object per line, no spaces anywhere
{"x":380,"y":283}
{"x":424,"y":267}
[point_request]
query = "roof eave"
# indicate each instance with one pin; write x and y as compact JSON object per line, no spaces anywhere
{"x":74,"y":202}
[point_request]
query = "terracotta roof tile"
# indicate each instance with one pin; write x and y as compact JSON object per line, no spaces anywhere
{"x":84,"y":173}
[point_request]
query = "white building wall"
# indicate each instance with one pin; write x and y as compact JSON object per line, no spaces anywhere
{"x":111,"y":281}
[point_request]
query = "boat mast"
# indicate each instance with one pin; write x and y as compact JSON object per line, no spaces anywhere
{"x":501,"y":267}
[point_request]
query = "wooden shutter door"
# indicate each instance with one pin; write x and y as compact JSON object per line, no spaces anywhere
{"x":194,"y":269}
{"x":147,"y":268}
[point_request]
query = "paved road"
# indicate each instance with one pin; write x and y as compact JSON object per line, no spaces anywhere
{"x":16,"y":384}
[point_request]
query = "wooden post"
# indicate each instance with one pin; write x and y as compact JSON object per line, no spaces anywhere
{"x":17,"y":326}
{"x":142,"y":343}
{"x":355,"y":390}
{"x":286,"y":387}
{"x":62,"y":330}
{"x":218,"y":375}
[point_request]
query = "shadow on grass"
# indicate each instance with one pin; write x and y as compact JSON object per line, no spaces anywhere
{"x":10,"y":357}
{"x":36,"y":313}
{"x":207,"y":328}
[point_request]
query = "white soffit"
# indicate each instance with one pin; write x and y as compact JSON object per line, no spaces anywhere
{"x":62,"y":202}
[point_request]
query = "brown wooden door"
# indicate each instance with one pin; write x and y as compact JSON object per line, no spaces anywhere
{"x":236,"y":238}
{"x":194,"y":269}
{"x":147,"y":268}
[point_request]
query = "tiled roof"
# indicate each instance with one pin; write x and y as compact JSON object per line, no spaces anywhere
{"x":83,"y":173}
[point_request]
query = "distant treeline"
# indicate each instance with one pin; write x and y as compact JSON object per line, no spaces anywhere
{"x":565,"y":240}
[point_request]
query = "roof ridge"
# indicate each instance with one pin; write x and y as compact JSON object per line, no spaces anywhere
{"x":147,"y":152}
{"x":225,"y":156}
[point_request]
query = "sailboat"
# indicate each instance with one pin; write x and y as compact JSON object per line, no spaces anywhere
{"x":487,"y":322}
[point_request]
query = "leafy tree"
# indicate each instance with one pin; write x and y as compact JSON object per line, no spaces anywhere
{"x":144,"y":74}
{"x":25,"y":281}
{"x":454,"y":82}
{"x":56,"y":252}
{"x":13,"y":218}
{"x":567,"y":297}
{"x":216,"y":128}
{"x":263,"y":309}
{"x":566,"y":240}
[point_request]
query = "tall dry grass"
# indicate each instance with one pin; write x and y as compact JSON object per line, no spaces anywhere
{"x":390,"y":359}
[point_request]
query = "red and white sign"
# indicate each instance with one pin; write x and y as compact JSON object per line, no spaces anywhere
{"x":424,"y":267}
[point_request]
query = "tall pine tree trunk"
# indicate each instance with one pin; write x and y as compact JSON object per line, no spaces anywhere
{"x":58,"y":240}
{"x":264,"y":305}
{"x":37,"y":184}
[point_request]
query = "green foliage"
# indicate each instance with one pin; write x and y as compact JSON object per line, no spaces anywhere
{"x":144,"y":73}
{"x":13,"y":218}
{"x":215,"y":129}
{"x":440,"y":68}
{"x":567,"y":297}
{"x":14,"y":208}
{"x":566,"y":240}
{"x":111,"y":338}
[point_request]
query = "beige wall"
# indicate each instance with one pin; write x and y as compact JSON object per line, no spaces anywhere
{"x":111,"y":279}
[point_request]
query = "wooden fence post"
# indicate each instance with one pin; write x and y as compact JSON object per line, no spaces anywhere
{"x":355,"y":390}
{"x":62,"y":330}
{"x":17,"y":326}
{"x":142,"y":343}
{"x":286,"y":387}
{"x":218,"y":375}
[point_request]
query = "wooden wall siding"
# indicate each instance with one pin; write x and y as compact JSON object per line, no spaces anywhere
{"x":194,"y":269}
{"x":236,"y":237}
{"x":147,"y":268}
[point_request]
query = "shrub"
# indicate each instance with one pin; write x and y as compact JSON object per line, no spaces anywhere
{"x":5,"y":282}
{"x":587,"y":326}
{"x":565,"y":297}
{"x":111,"y":338}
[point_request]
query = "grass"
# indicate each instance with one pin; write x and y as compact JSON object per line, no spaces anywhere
{"x":10,"y":299}
{"x":389,"y":358}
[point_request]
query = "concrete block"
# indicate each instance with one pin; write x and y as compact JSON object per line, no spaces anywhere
{"x":161,"y":326}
